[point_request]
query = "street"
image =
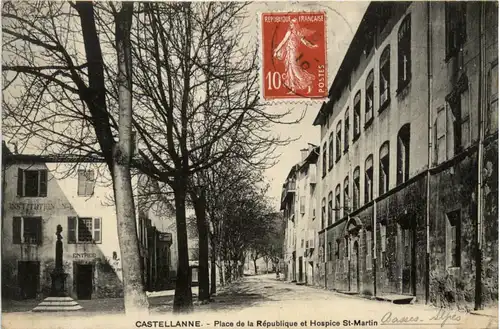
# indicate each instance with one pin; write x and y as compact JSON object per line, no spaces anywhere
{"x":262,"y":301}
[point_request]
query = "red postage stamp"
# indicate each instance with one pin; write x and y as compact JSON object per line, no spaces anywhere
{"x":293,"y":55}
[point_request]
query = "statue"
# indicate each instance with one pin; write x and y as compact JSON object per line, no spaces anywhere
{"x":58,"y":276}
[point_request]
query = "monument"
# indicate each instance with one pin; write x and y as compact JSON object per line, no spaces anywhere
{"x":58,"y":300}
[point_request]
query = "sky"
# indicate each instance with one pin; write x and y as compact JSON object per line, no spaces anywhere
{"x":342,"y":21}
{"x":343,"y":18}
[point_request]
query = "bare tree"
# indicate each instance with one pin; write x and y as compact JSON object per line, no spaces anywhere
{"x":55,"y":97}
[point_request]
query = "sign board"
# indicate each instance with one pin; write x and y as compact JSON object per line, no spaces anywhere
{"x":166,"y":237}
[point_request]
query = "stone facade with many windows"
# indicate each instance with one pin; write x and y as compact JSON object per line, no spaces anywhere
{"x":407,"y":194}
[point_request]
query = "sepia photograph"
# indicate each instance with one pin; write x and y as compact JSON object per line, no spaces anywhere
{"x":266,"y":164}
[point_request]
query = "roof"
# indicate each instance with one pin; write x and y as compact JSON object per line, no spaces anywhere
{"x":373,"y":13}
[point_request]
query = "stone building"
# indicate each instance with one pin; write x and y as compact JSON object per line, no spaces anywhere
{"x":408,"y":161}
{"x":299,"y":204}
{"x":41,"y":193}
{"x":158,"y":236}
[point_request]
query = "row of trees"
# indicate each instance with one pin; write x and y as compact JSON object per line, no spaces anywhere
{"x":167,"y":89}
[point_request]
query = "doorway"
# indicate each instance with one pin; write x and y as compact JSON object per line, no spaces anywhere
{"x":355,"y":267}
{"x":301,"y":274}
{"x":84,"y":276}
{"x":29,"y":278}
{"x":408,"y":235}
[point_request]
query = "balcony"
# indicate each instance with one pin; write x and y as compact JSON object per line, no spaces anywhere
{"x":288,"y":190}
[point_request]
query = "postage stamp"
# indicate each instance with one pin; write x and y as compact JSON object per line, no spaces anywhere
{"x":293,"y":53}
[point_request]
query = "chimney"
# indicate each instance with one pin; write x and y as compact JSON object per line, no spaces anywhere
{"x":303,"y":154}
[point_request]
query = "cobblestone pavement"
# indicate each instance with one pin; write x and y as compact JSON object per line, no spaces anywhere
{"x":262,"y":301}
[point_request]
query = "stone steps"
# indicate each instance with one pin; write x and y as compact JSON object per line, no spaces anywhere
{"x":397,"y":299}
{"x":57,"y":304}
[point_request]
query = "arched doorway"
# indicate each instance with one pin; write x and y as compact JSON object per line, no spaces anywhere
{"x":355,"y":266}
{"x":352,"y":237}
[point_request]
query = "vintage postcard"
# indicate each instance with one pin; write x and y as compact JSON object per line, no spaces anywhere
{"x":288,"y":164}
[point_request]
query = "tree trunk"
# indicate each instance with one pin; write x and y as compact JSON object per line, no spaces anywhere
{"x":255,"y":266}
{"x":221,"y":273}
{"x":183,"y":300}
{"x":213,"y":274}
{"x":228,"y":271}
{"x":267,"y":266}
{"x":135,"y":298}
{"x":201,"y":223}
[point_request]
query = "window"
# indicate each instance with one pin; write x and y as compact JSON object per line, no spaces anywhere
{"x":330,"y":152}
{"x":346,"y":130}
{"x":338,"y":142}
{"x":356,"y":189}
{"x":458,"y":103}
{"x":368,"y":248}
{"x":357,"y":115}
{"x":383,"y":242}
{"x":302,"y":205}
{"x":324,"y":160}
{"x":329,"y":251}
{"x":385,"y":78}
{"x":404,"y":53}
{"x":403,"y":161}
{"x":346,"y":195}
{"x":455,"y":25}
{"x":492,"y":119}
{"x":337,"y":252}
{"x":31,"y":183}
{"x":369,"y":99}
{"x":384,"y":169}
{"x":323,"y":213}
{"x":27,"y":230}
{"x":84,"y":230}
{"x":440,"y":135}
{"x":330,"y":208}
{"x":369,"y":179}
{"x":454,"y":237}
{"x":337,"y":202}
{"x":86,"y":182}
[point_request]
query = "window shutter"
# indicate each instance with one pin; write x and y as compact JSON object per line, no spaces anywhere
{"x":39,"y":234}
{"x":16,"y":230}
{"x":81,"y":182}
{"x":97,"y":230}
{"x":43,"y":183}
{"x":89,"y":184}
{"x":71,"y":229}
{"x":19,"y":182}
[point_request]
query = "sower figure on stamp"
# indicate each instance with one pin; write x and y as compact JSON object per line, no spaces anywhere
{"x":295,"y":76}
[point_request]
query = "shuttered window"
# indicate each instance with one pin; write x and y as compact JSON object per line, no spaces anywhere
{"x":84,"y":230}
{"x":31,"y":183}
{"x":385,"y":78}
{"x":369,"y":99}
{"x":27,"y":230}
{"x":384,"y":169}
{"x":86,"y":182}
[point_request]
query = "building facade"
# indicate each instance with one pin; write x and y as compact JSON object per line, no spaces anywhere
{"x":42,"y":193}
{"x":408,"y":172}
{"x":299,"y":204}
